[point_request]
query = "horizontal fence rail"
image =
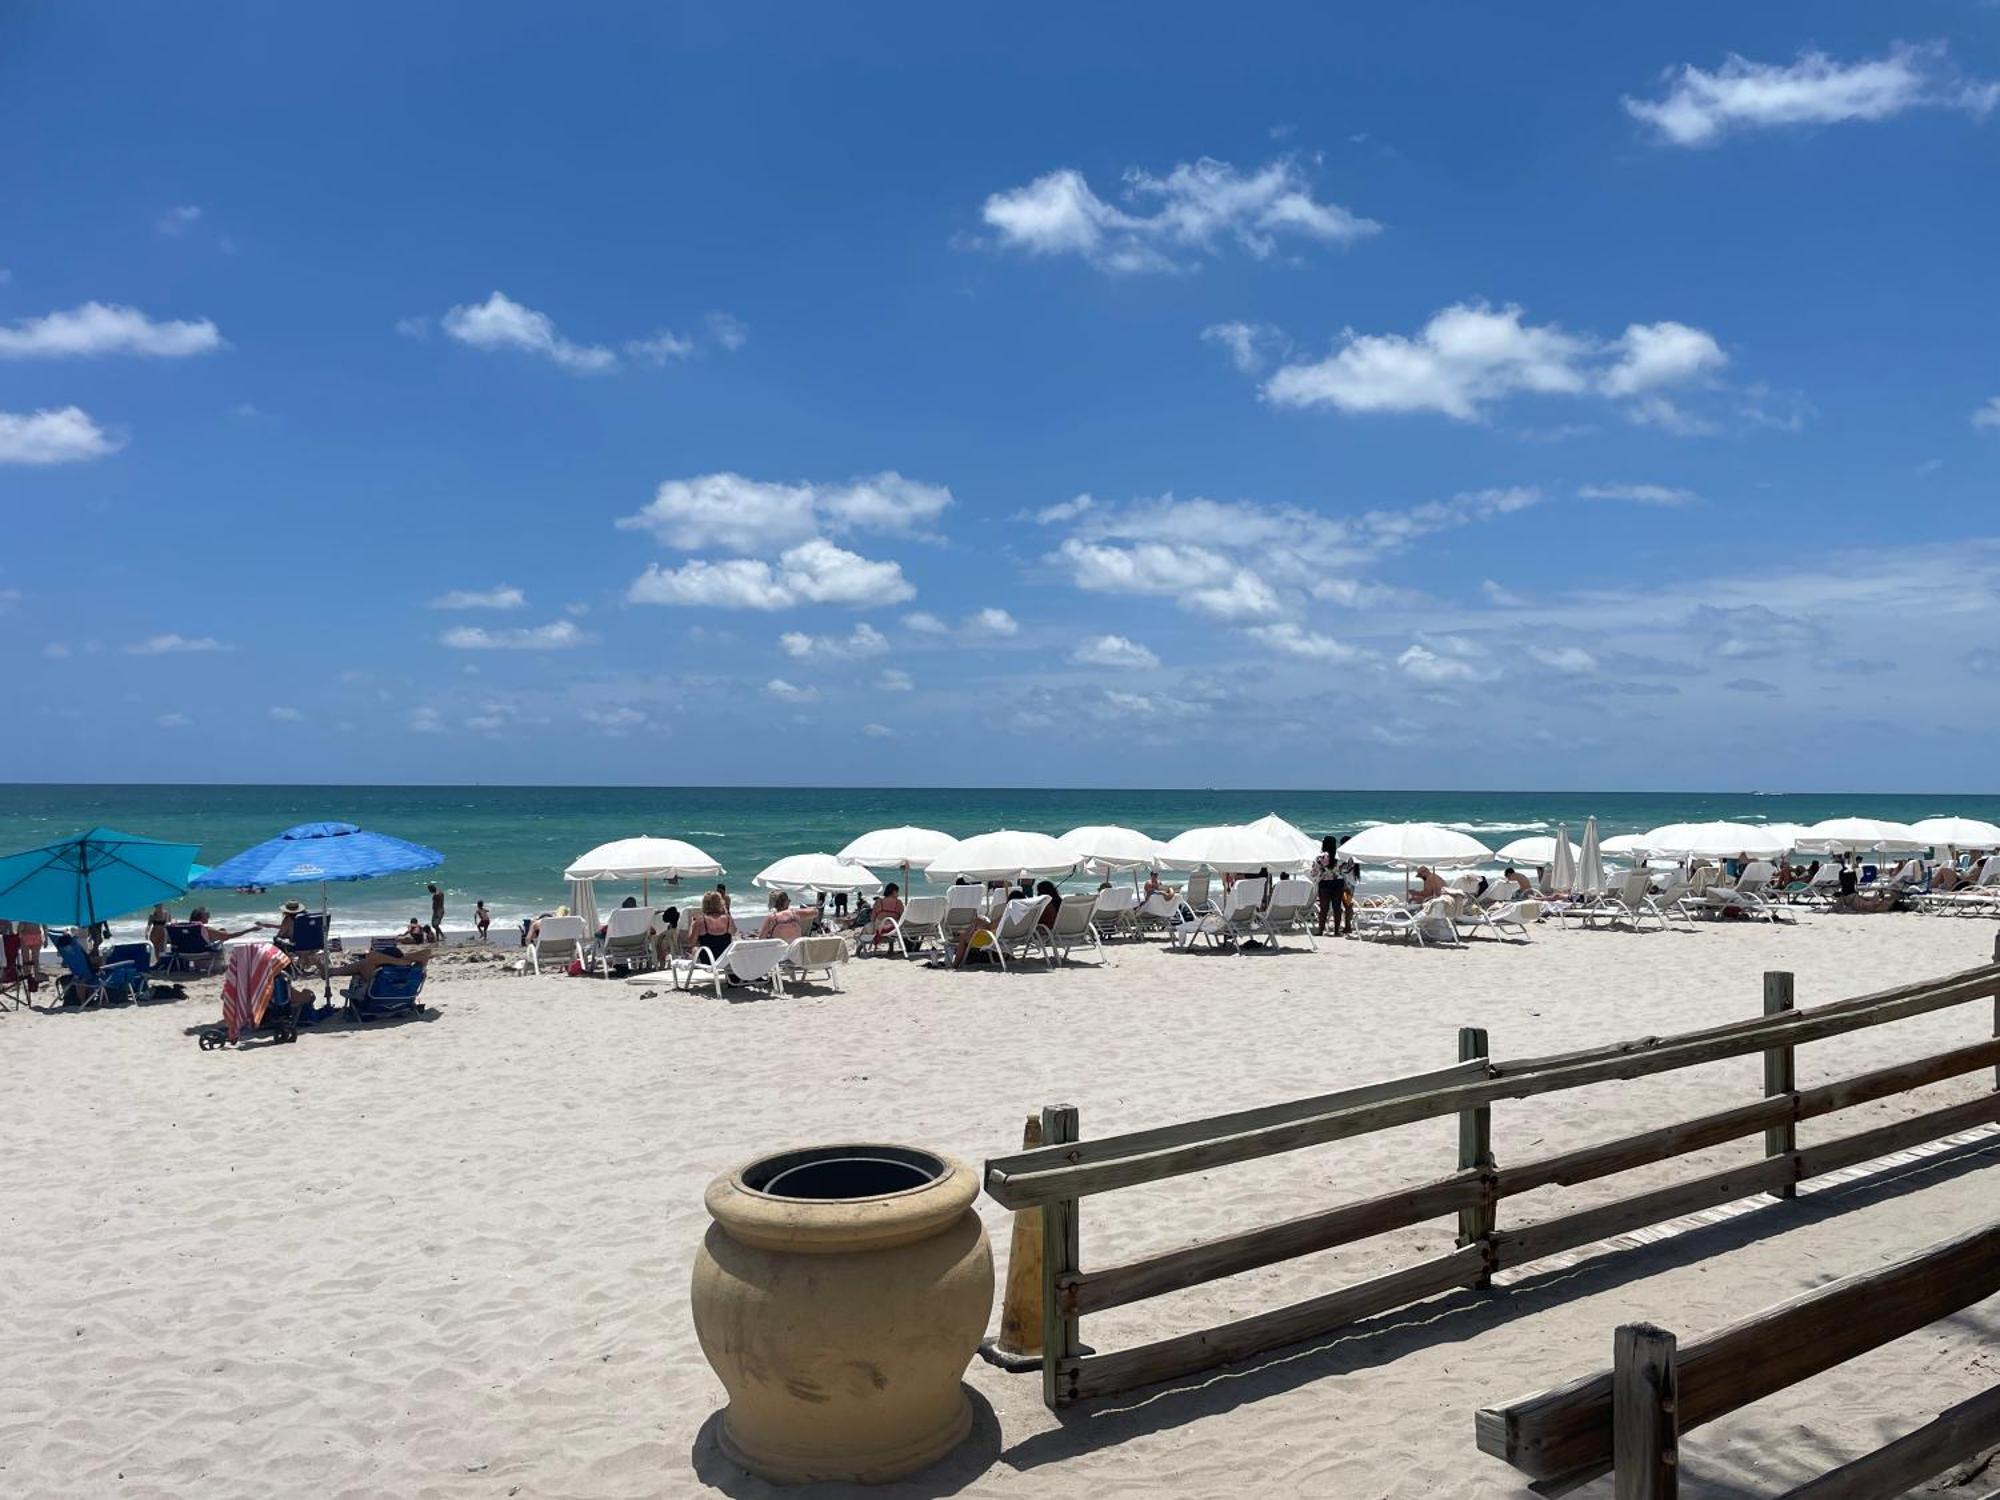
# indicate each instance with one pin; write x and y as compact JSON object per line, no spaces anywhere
{"x":1572,"y":1433}
{"x":1057,"y":1176}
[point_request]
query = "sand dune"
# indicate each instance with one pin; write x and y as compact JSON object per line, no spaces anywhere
{"x":450,"y":1257}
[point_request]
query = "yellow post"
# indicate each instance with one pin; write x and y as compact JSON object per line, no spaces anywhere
{"x":1019,"y":1345}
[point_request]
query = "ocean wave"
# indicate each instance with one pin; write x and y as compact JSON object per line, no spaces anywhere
{"x":1498,"y":827}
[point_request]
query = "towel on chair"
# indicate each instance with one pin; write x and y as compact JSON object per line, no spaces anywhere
{"x":247,"y":983}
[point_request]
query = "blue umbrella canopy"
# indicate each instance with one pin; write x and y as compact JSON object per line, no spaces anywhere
{"x":92,"y":878}
{"x":319,"y":853}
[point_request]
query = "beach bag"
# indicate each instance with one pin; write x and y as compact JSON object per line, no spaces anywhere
{"x":575,"y":968}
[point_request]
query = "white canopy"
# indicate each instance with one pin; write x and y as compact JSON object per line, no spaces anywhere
{"x":1110,"y":847}
{"x":1957,"y":833}
{"x":1305,"y":849}
{"x":1713,"y":841}
{"x":1590,"y":864}
{"x":1002,"y":855}
{"x":886,"y":848}
{"x":1536,"y":849}
{"x":642,"y":859}
{"x":1790,"y":833}
{"x":1407,"y":844}
{"x":1239,"y":847}
{"x":816,"y":872}
{"x":1862,"y":835}
{"x":1624,"y":846}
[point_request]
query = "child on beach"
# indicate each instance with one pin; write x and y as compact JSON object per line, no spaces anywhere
{"x":481,"y":918}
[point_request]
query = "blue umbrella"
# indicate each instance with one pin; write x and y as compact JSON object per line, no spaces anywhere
{"x":321,"y":853}
{"x":92,"y":877}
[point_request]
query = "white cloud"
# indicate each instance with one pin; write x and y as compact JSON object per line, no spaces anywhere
{"x":414,"y":328}
{"x":924,"y":623}
{"x":96,"y":328}
{"x":662,"y":346}
{"x":502,"y":323}
{"x":778,"y":688}
{"x":1638,"y":494}
{"x":1700,"y":107}
{"x":1069,"y":510}
{"x":1428,"y":666}
{"x":1502,"y":596}
{"x":1989,"y":414}
{"x":1573,"y":660}
{"x":992,"y":622}
{"x":1113,"y":651}
{"x":1669,"y":416}
{"x":62,"y":435}
{"x":173,"y":721}
{"x":425,"y":720}
{"x":895,"y":680}
{"x":1656,"y":354}
{"x":729,"y":332}
{"x":284,"y":713}
{"x":1194,"y":209}
{"x":878,"y":731}
{"x":746,"y":515}
{"x":864,"y":640}
{"x":560,"y":635}
{"x":616,"y":719}
{"x":178,"y":220}
{"x":502,"y":596}
{"x":1249,"y":344}
{"x":171,"y":644}
{"x":1470,"y":356}
{"x":1291,"y":640}
{"x":814,"y":572}
{"x":1245,"y":596}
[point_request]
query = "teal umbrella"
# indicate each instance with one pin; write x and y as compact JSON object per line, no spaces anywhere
{"x":91,"y":878}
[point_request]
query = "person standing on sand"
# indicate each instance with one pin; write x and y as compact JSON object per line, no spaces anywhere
{"x":437,"y":912}
{"x":481,"y":918}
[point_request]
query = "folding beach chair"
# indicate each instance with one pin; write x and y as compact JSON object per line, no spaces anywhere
{"x":18,"y":978}
{"x":1289,"y":910}
{"x":86,"y":985}
{"x":1116,"y":914}
{"x":921,"y":923}
{"x":628,"y":940}
{"x":560,"y":942}
{"x":392,"y":990}
{"x":808,"y":956}
{"x":1018,"y":931}
{"x":746,"y":961}
{"x":188,"y":948}
{"x":1075,"y":924}
{"x":307,"y":949}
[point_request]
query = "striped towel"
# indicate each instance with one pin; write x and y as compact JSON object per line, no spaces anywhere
{"x":246,"y":985}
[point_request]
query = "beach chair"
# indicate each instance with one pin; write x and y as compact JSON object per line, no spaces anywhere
{"x":392,"y":990}
{"x":815,"y":955}
{"x":1236,"y":922}
{"x":1116,"y":914}
{"x":86,"y":985}
{"x":1289,"y":910}
{"x":1076,"y":924}
{"x":1981,"y":896}
{"x":921,"y":924}
{"x":1626,"y":901}
{"x":746,"y":961}
{"x":559,"y":941}
{"x":1017,"y":930}
{"x":1155,"y":913}
{"x":188,"y":948}
{"x":1749,"y":894}
{"x":628,"y":940}
{"x":963,"y":905}
{"x":1381,"y":919}
{"x":1196,"y":893}
{"x":307,"y":948}
{"x":1436,"y":923}
{"x":18,"y":980}
{"x":1518,"y":915}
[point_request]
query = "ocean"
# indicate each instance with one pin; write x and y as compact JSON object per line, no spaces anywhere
{"x":508,"y":845}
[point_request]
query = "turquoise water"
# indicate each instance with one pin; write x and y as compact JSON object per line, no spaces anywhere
{"x":508,"y":845}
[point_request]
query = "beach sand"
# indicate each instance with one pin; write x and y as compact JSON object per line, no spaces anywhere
{"x":450,"y":1257}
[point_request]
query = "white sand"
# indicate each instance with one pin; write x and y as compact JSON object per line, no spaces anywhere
{"x":451,"y":1258}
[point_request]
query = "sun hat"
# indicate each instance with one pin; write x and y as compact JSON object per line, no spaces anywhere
{"x":293,"y":908}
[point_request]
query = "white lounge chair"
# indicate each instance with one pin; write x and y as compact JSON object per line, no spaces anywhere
{"x":1155,"y":912}
{"x":1976,"y":899}
{"x":1075,"y":925}
{"x":1017,"y":931}
{"x":558,"y":940}
{"x":1436,"y":923}
{"x":746,"y":961}
{"x":921,"y":924}
{"x":1196,"y":893}
{"x":1236,"y":921}
{"x":1290,"y":910}
{"x":815,"y":955}
{"x":628,"y":940}
{"x":1116,"y":913}
{"x":1519,"y":915}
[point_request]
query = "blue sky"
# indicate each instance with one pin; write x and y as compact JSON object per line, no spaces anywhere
{"x":1445,"y":396}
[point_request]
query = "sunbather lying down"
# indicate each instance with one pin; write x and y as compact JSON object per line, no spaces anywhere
{"x":368,"y":964}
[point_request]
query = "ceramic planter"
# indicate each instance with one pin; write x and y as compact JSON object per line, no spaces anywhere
{"x":839,"y":1295}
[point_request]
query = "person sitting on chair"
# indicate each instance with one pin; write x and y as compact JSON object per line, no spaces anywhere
{"x":217,"y":936}
{"x":786,"y":920}
{"x":883,"y":915}
{"x":369,"y":964}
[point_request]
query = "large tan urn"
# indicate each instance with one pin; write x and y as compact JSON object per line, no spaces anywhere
{"x":840,"y":1294}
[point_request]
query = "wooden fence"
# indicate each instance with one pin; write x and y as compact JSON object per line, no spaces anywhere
{"x":1058,"y":1175}
{"x":1627,"y":1420}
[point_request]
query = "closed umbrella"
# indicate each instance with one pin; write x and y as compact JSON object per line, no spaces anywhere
{"x":1002,"y":855}
{"x":78,"y":882}
{"x":815,"y":872}
{"x":319,"y":854}
{"x":1590,"y":865}
{"x":1406,"y":845}
{"x":1862,"y":835}
{"x":1562,"y":868}
{"x":583,"y":903}
{"x":1239,"y":848}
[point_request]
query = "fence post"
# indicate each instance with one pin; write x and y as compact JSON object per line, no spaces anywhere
{"x":1779,"y":1075}
{"x":1645,"y":1420}
{"x":1475,"y":1153}
{"x":1996,"y":1008}
{"x":1060,"y":1258}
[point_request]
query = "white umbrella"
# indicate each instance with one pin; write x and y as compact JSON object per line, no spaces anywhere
{"x":1590,"y":865}
{"x":642,"y":859}
{"x":1861,"y":835}
{"x":1790,"y":833}
{"x":1407,"y":844}
{"x":1625,"y":846}
{"x":1713,"y":841}
{"x":1957,"y":833}
{"x":887,"y":848}
{"x":1002,"y":855}
{"x":1562,"y":868}
{"x":1305,"y":849}
{"x":1110,"y":847}
{"x":1229,"y":847}
{"x":1536,"y":849}
{"x":818,"y":872}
